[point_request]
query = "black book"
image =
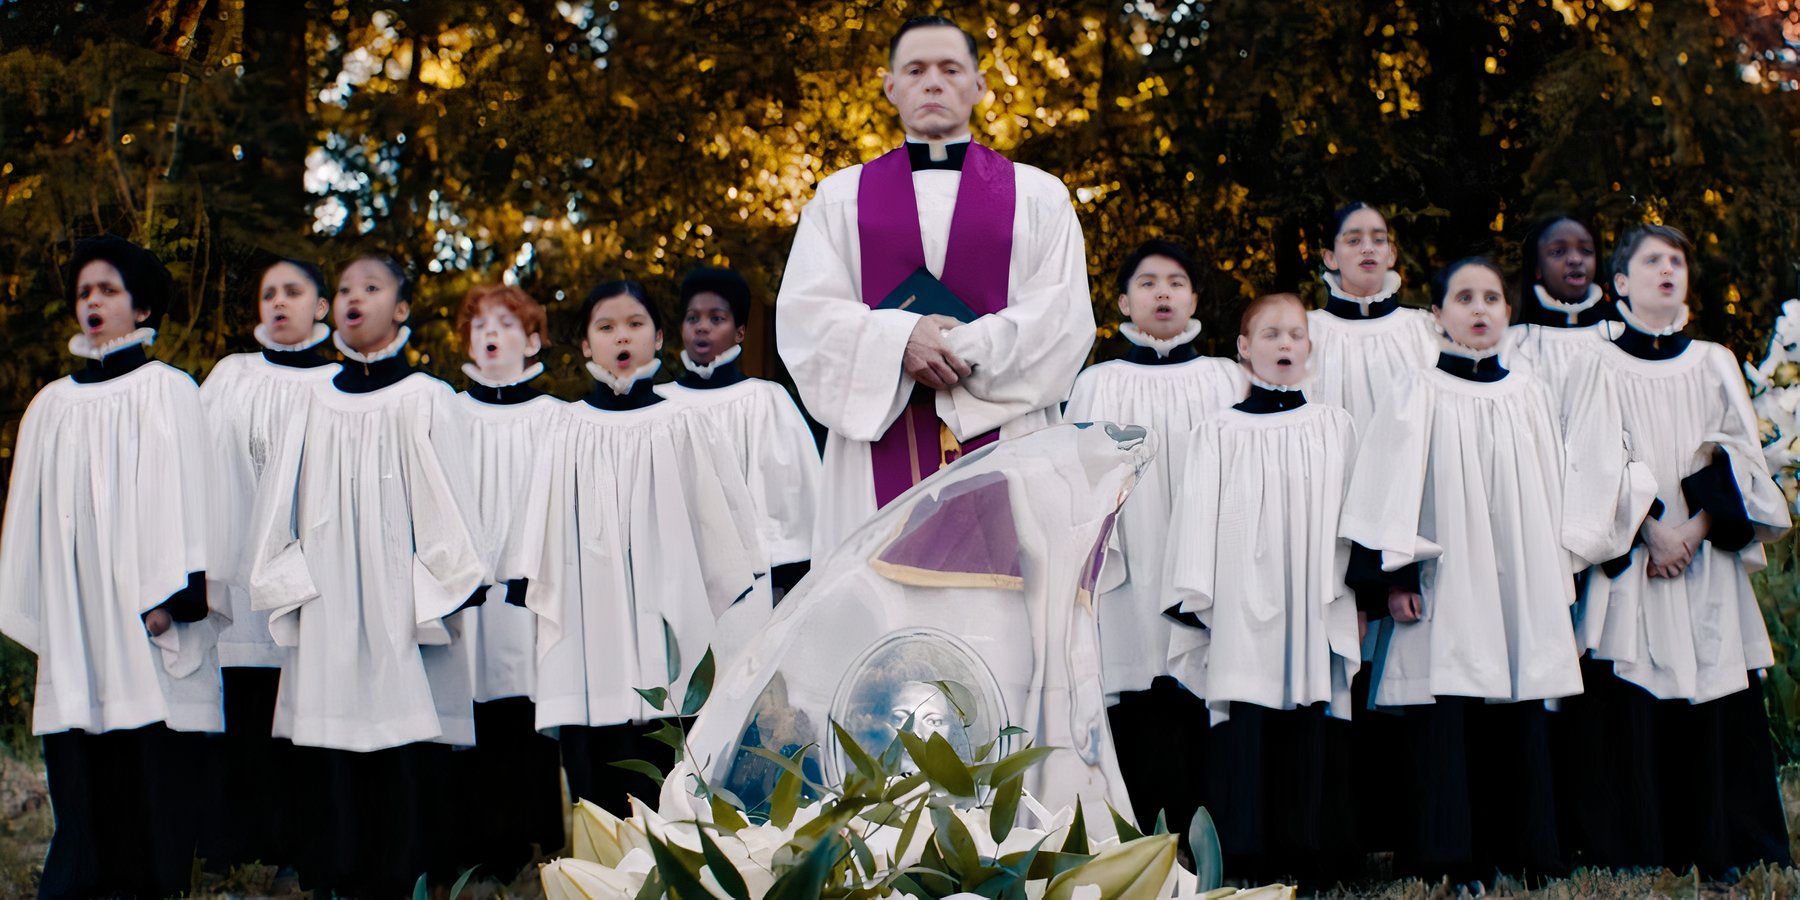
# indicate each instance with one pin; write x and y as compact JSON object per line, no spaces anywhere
{"x":922,"y":293}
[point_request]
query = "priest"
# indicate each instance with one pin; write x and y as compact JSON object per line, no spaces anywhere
{"x":936,"y":298}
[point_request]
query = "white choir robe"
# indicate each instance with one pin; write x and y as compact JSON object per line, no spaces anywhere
{"x":362,"y":548}
{"x":504,"y":446}
{"x":1262,"y":564}
{"x":1697,"y":636}
{"x":105,"y":518}
{"x":642,"y":532}
{"x":1171,"y":400}
{"x":1465,"y":478}
{"x":1551,"y":354}
{"x":1356,"y":364}
{"x":250,"y":405}
{"x":845,"y":358}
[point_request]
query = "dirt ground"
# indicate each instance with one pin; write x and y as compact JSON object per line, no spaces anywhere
{"x":25,"y":823}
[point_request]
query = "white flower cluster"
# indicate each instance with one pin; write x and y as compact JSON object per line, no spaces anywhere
{"x":1775,"y":395}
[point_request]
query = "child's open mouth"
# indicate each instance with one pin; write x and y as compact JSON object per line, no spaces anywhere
{"x":624,"y":357}
{"x":1668,"y":287}
{"x":1576,"y":279}
{"x":353,"y":315}
{"x":94,"y":322}
{"x":1164,"y":311}
{"x":1284,"y":361}
{"x":493,"y":349}
{"x":279,"y":318}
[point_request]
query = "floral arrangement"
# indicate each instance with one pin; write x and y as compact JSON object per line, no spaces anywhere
{"x":1775,"y":395}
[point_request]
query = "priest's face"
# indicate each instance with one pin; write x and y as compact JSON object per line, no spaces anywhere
{"x":1159,"y":298}
{"x":289,"y":304}
{"x":1474,"y":311}
{"x":1278,"y":345}
{"x":1362,"y":253}
{"x":102,"y":305}
{"x":708,"y":329}
{"x":620,"y":336}
{"x":498,"y":342}
{"x":1655,"y":282}
{"x":934,"y":83}
{"x":1566,"y":261}
{"x":369,"y":310}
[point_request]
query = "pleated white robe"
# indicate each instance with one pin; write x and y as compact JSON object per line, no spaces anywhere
{"x":1552,"y":354}
{"x":845,"y":358}
{"x":504,"y":447}
{"x":646,"y":536}
{"x":105,"y":518}
{"x":362,"y":549}
{"x":1697,"y":636}
{"x":250,"y":405}
{"x":1172,"y":400}
{"x":1466,"y":478}
{"x":1262,"y":564}
{"x":1357,"y":363}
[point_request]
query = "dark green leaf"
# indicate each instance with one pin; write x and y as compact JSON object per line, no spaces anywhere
{"x":785,"y":799}
{"x":722,"y":869}
{"x":1011,"y":731}
{"x":642,"y":768}
{"x":1047,"y":865}
{"x":909,"y":829}
{"x":462,"y":881}
{"x":938,"y":760}
{"x":724,"y":814}
{"x":961,"y":699}
{"x":699,"y":685}
{"x":684,"y":882}
{"x":670,"y":735}
{"x":900,"y":787}
{"x":1203,"y":846}
{"x":671,"y":652}
{"x":1162,"y":822}
{"x":658,"y":698}
{"x":1005,"y":809}
{"x":420,"y":891}
{"x":865,"y":858}
{"x":806,"y":881}
{"x":1017,"y":763}
{"x":1128,"y":831}
{"x":859,"y":757}
{"x":652,"y":889}
{"x":1077,"y":842}
{"x":954,"y":842}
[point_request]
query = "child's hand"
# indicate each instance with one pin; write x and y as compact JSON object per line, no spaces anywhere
{"x":1404,"y":606}
{"x":158,"y":621}
{"x":1362,"y":626}
{"x":1670,"y":551}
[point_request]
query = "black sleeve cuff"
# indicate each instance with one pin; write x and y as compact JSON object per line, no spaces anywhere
{"x":1372,"y":585}
{"x":475,"y":599}
{"x":786,"y":575}
{"x":1714,"y":490}
{"x":1617,"y":566}
{"x":1176,"y":615}
{"x":189,"y":603}
{"x":515,"y":591}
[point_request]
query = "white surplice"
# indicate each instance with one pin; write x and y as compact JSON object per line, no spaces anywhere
{"x":1697,"y":636}
{"x":1356,"y":363}
{"x":1465,"y":478}
{"x":845,"y":358}
{"x":361,"y":549}
{"x":1262,"y":564}
{"x":1172,"y":400}
{"x":645,"y":535}
{"x":105,"y":519}
{"x":250,"y":404}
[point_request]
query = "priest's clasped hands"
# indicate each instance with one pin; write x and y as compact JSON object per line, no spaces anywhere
{"x":928,"y":360}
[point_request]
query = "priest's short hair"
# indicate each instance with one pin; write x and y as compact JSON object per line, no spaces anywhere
{"x":727,"y":283}
{"x":917,"y":22}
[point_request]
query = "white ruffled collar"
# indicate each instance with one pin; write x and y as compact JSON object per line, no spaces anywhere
{"x":1448,"y":345}
{"x":1280,"y":388}
{"x":707,"y":370}
{"x":1390,"y":285}
{"x":1636,"y":324}
{"x":1162,"y":347}
{"x":530,"y":372}
{"x":320,"y":331}
{"x":1572,"y":310}
{"x":379,"y":355}
{"x":622,"y":385}
{"x":83,"y":346}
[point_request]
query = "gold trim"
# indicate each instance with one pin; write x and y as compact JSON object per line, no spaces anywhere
{"x":917,"y":577}
{"x":912,"y":445}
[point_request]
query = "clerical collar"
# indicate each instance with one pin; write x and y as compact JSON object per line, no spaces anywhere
{"x":1265,"y":398}
{"x":1644,"y":342}
{"x":723,"y":371}
{"x":503,"y":393}
{"x":1468,"y":363}
{"x":1553,"y":313}
{"x":919,"y":153}
{"x":372,"y":371}
{"x":304,"y":355}
{"x":113,"y":358}
{"x":1150,"y":351}
{"x":1345,"y":306}
{"x":634,"y":391}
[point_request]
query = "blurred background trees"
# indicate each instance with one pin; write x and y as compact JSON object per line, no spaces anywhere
{"x":555,"y":143}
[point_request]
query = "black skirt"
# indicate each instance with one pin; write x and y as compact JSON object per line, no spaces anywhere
{"x":250,"y":787}
{"x":588,"y":753}
{"x":511,"y":786}
{"x":374,"y":822}
{"x":127,"y":806}
{"x":1160,"y":738}
{"x":1278,"y":788}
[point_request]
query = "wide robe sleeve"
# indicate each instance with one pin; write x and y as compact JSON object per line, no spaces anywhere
{"x":1192,"y":576}
{"x":1735,"y":435}
{"x":28,"y":520}
{"x":280,"y":583}
{"x":232,"y":493}
{"x":1026,"y":356}
{"x":447,"y":566}
{"x":1385,"y":501}
{"x":784,"y":477}
{"x":186,"y":644}
{"x":1607,"y":492}
{"x":845,"y":358}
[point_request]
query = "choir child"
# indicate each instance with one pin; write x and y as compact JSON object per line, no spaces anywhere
{"x":252,"y":400}
{"x":1563,"y":311}
{"x":647,"y":533}
{"x":1678,"y":757}
{"x":1262,"y":567}
{"x":511,"y":775}
{"x":1460,"y":474}
{"x":361,"y":549}
{"x":1167,"y":386}
{"x":770,"y":440}
{"x":103,"y":558}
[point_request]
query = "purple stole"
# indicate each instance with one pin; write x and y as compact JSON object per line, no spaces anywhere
{"x":976,"y":269}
